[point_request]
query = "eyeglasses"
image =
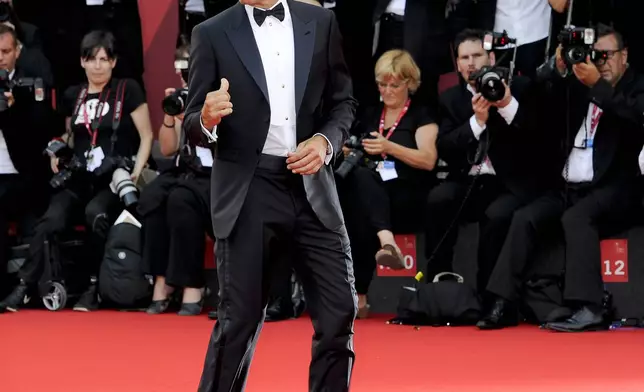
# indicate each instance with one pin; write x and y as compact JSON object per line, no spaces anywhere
{"x":606,"y":55}
{"x":394,"y":86}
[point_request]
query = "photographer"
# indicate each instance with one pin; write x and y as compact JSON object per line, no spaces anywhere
{"x":488,"y":153}
{"x":594,"y":176}
{"x":389,"y":193}
{"x":175,"y":208}
{"x":26,"y":124}
{"x":83,"y":175}
{"x":32,"y":58}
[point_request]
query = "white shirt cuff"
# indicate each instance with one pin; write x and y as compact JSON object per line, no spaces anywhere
{"x":477,"y":130}
{"x":329,"y":151}
{"x":211,"y":135}
{"x":510,"y":111}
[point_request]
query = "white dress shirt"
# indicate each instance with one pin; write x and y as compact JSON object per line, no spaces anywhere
{"x":579,"y":167}
{"x":526,"y":20}
{"x":276,"y":46}
{"x":6,"y":164}
{"x":508,"y":113}
{"x":396,"y":7}
{"x":195,"y":7}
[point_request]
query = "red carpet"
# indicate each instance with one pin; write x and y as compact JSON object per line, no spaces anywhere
{"x":126,"y":352}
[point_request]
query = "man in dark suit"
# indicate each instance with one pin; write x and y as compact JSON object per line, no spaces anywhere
{"x":26,"y":125}
{"x":594,"y":186}
{"x":487,"y":151}
{"x":269,"y":84}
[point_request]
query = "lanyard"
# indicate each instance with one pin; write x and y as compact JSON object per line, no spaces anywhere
{"x":381,"y":127}
{"x":594,"y":120}
{"x":98,"y":116}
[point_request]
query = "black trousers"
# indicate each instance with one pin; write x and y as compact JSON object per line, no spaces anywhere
{"x":582,"y":214}
{"x":529,"y":57}
{"x":371,"y":205}
{"x":174,"y":230}
{"x":16,"y":203}
{"x":100,"y":209}
{"x":490,"y":204}
{"x":276,"y":211}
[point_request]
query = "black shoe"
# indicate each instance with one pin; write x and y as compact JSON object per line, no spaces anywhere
{"x":88,"y":301}
{"x":588,"y":318}
{"x":212,"y":315}
{"x":191,"y":309}
{"x":279,"y":309}
{"x":17,"y":298}
{"x":158,"y":307}
{"x":502,"y":314}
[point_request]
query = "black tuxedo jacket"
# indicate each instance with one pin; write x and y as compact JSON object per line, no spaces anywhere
{"x":620,"y":133}
{"x":512,"y":148}
{"x":27,"y":126}
{"x":224,"y":47}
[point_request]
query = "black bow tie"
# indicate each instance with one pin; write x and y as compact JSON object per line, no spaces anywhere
{"x":261,"y":15}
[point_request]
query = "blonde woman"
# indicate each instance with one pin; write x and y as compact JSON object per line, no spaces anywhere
{"x":387,"y":194}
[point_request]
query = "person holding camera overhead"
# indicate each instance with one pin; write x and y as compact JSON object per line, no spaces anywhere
{"x":488,"y":154}
{"x":175,"y":209}
{"x":107,"y":123}
{"x":387,"y":192}
{"x":594,"y":176}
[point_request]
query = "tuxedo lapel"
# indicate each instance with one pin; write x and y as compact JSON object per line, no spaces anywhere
{"x":304,"y":37}
{"x":243,"y":41}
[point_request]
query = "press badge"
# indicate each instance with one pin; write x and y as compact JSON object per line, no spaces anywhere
{"x":387,"y":170}
{"x":94,"y":158}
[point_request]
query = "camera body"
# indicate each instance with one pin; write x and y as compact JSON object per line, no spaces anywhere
{"x":121,"y":184}
{"x":175,"y":103}
{"x":7,"y":85}
{"x":68,"y":163}
{"x":577,"y":43}
{"x":355,"y":156}
{"x":489,"y":79}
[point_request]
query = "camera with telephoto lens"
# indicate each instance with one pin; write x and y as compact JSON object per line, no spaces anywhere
{"x":7,"y":85}
{"x":121,"y":184}
{"x":577,"y":43}
{"x":489,"y":79}
{"x":175,"y":103}
{"x":68,"y":163}
{"x":355,"y":156}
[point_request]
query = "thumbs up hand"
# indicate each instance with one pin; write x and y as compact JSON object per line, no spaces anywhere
{"x":216,"y":106}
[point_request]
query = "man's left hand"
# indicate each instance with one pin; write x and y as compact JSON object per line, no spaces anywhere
{"x":587,"y":72}
{"x":376,"y":146}
{"x":309,"y":156}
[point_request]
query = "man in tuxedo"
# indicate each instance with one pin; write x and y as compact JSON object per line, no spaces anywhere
{"x":595,"y":182}
{"x":268,"y":83}
{"x":487,"y":151}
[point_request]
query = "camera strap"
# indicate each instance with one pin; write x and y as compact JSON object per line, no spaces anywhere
{"x":381,"y":126}
{"x":92,"y":128}
{"x":118,"y":113}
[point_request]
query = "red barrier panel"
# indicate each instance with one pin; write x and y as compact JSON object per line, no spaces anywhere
{"x":615,"y":260}
{"x":407,"y":244}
